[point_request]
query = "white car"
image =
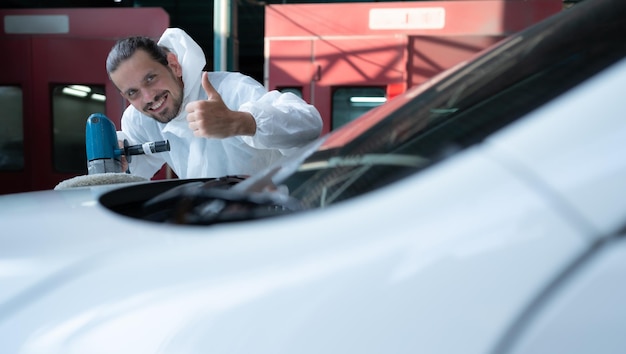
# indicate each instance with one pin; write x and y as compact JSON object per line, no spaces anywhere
{"x":483,"y":212}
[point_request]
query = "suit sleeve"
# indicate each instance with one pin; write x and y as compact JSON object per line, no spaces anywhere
{"x":284,"y":120}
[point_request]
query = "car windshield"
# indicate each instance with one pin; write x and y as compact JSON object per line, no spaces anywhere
{"x":462,"y":108}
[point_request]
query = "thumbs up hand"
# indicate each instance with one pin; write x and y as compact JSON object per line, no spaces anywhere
{"x":211,"y":118}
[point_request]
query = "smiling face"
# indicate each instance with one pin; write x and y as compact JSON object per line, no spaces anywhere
{"x":152,"y":88}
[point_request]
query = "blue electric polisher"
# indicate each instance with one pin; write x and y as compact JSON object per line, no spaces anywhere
{"x":103,"y":151}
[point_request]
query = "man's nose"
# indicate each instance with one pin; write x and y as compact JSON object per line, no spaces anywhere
{"x":147,"y":95}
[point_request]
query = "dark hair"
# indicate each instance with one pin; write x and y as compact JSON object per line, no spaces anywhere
{"x":125,"y":48}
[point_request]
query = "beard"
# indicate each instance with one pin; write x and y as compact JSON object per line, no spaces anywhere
{"x":173,"y":104}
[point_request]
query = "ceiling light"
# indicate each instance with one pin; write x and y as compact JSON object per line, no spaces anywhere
{"x":81,"y":88}
{"x":358,"y":99}
{"x":98,"y":97}
{"x":74,"y":92}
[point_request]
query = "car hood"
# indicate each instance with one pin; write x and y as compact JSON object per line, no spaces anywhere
{"x":50,"y":235}
{"x":87,"y":279}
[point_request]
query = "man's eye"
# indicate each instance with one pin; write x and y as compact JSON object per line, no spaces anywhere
{"x":150,"y":78}
{"x":131,"y":93}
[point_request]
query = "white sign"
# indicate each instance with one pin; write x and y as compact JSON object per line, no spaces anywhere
{"x":35,"y":24}
{"x":408,"y":18}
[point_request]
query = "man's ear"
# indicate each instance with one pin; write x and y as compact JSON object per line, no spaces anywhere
{"x":172,"y":62}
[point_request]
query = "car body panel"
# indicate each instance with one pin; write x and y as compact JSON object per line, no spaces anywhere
{"x":581,"y":169}
{"x":576,"y":318}
{"x":257,"y":275}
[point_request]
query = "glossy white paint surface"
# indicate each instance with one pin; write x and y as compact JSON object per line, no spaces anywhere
{"x":586,"y":315}
{"x":393,"y":267}
{"x":586,"y":164}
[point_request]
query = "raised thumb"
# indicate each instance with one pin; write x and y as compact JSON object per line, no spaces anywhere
{"x":206,"y":84}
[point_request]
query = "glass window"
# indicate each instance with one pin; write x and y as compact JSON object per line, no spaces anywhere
{"x":295,"y":90}
{"x":12,"y":132}
{"x":71,"y":106}
{"x":351,"y":102}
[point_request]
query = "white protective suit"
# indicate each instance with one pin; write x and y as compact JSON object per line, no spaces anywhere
{"x":283,"y":121}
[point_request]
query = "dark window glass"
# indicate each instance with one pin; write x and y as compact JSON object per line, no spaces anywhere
{"x":72,"y":104}
{"x":12,"y":132}
{"x":351,"y":102}
{"x":295,"y":90}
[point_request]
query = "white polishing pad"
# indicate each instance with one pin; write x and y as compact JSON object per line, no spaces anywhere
{"x":98,"y":179}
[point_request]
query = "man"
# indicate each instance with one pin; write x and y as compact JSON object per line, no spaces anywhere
{"x":217,"y":123}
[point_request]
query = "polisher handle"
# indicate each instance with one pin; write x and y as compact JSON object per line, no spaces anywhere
{"x":147,"y":148}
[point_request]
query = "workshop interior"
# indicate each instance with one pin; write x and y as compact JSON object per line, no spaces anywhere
{"x":53,"y":76}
